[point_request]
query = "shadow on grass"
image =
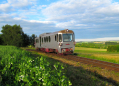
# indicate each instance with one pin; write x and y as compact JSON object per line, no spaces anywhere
{"x":82,"y":77}
{"x":75,"y":54}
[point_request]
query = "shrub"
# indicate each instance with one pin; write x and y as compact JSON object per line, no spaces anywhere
{"x":20,"y":68}
{"x":113,"y":48}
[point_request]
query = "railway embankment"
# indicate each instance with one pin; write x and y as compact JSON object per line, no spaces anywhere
{"x":86,"y":68}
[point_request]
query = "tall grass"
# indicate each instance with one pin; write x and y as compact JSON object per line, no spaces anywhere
{"x":18,"y":67}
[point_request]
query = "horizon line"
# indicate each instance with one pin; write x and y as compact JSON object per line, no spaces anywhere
{"x":99,"y":39}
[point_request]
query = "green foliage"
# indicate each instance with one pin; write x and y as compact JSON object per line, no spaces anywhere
{"x":11,"y":35}
{"x":28,"y":40}
{"x":20,"y":68}
{"x":113,"y":48}
{"x":91,"y":45}
{"x":1,"y":41}
{"x":111,"y":43}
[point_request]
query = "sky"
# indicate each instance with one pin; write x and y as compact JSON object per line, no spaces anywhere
{"x":89,"y":19}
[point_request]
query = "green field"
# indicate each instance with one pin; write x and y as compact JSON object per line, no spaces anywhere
{"x":20,"y":68}
{"x":99,"y":54}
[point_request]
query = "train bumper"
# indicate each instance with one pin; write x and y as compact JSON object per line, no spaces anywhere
{"x":67,"y":50}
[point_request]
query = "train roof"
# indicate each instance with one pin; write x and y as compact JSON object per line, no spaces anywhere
{"x":52,"y":33}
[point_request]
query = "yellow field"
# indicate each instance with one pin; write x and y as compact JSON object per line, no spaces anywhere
{"x":103,"y":55}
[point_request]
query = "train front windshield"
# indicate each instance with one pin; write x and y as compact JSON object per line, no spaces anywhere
{"x":68,"y":37}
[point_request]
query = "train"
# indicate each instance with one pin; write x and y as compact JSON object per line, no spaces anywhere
{"x":59,"y":42}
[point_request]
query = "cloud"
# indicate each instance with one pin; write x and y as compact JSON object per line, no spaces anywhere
{"x":4,"y":7}
{"x":28,"y":26}
{"x":15,"y":5}
{"x":100,"y":39}
{"x":88,"y":18}
{"x":87,"y":13}
{"x":20,"y":3}
{"x":41,"y":6}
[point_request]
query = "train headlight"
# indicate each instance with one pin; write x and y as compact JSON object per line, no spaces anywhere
{"x":71,"y":49}
{"x":60,"y":44}
{"x":67,"y":30}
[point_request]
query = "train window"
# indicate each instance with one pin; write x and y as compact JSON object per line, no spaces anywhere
{"x":60,"y":38}
{"x":49,"y":38}
{"x":45,"y":39}
{"x":42,"y":40}
{"x":73,"y":37}
{"x":55,"y":37}
{"x":37,"y":41}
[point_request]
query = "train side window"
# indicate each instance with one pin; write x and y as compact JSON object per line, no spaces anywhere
{"x":42,"y":40}
{"x":60,"y":38}
{"x":47,"y":39}
{"x":36,"y":40}
{"x":57,"y":37}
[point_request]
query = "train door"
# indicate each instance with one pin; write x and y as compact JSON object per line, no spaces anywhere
{"x":56,"y":41}
{"x":40,"y":41}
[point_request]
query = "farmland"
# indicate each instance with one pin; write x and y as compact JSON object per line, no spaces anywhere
{"x":98,"y":54}
{"x":19,"y":67}
{"x":77,"y":71}
{"x":31,"y":68}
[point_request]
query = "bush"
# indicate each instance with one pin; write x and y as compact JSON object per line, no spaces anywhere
{"x":91,"y":45}
{"x":20,"y":68}
{"x":113,"y":48}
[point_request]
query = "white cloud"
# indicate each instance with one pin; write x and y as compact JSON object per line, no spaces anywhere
{"x":28,"y":26}
{"x":20,"y":3}
{"x":4,"y":7}
{"x":83,"y":12}
{"x":100,"y":39}
{"x":85,"y":17}
{"x":15,"y":5}
{"x":41,"y":6}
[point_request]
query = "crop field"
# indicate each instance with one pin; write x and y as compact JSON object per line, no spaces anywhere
{"x":83,"y":74}
{"x":99,"y":54}
{"x":20,"y":68}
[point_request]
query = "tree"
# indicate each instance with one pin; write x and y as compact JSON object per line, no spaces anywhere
{"x":32,"y":39}
{"x":25,"y":39}
{"x":1,"y":41}
{"x":12,"y":35}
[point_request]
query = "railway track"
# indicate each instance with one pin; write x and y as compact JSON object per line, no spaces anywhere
{"x":96,"y":63}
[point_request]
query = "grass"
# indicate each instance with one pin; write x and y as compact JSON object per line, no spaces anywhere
{"x":98,"y":54}
{"x":20,"y":68}
{"x":85,"y":75}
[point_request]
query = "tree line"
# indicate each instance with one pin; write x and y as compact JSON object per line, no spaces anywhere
{"x":91,"y":45}
{"x":14,"y":35}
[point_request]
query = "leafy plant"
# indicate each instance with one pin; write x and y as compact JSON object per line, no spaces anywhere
{"x":19,"y":67}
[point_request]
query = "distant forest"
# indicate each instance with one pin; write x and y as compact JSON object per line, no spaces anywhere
{"x":14,"y":35}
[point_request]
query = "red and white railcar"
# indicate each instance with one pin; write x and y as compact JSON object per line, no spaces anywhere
{"x":61,"y":42}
